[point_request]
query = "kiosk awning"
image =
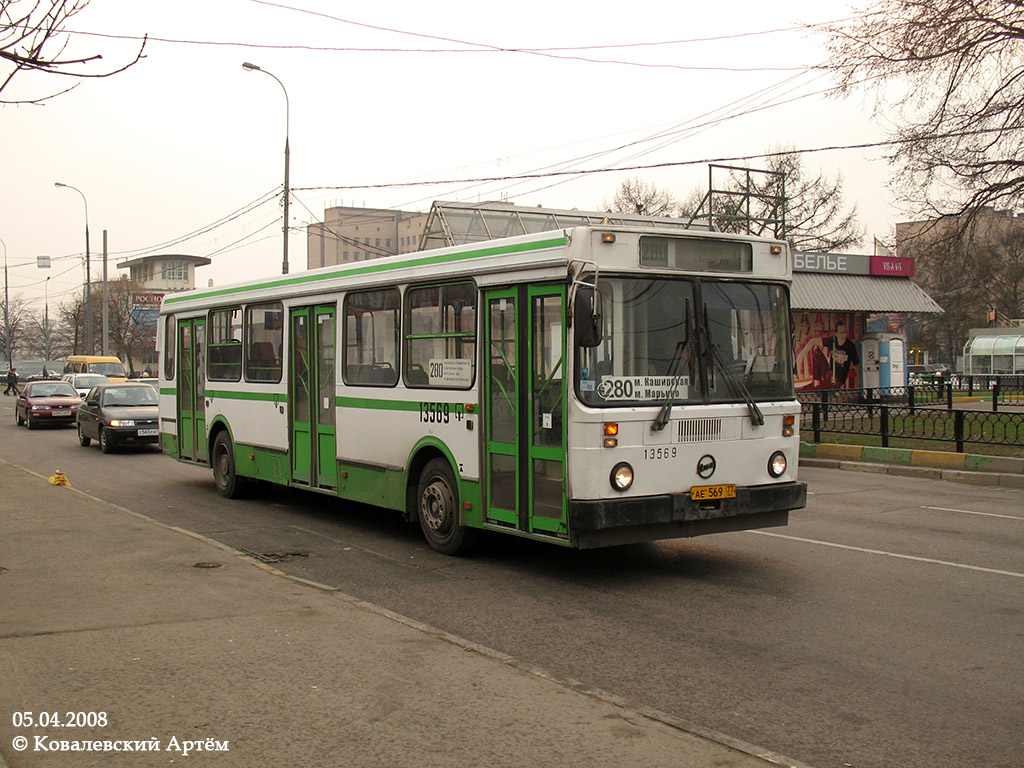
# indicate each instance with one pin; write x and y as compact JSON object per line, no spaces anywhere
{"x":860,"y":293}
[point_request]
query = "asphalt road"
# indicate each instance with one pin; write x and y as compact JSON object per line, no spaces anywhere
{"x":883,"y":627}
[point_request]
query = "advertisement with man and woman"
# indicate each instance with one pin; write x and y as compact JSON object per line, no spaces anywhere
{"x":826,"y":350}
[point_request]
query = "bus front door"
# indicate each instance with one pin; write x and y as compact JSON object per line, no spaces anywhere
{"x":524,"y":398}
{"x":311,"y":393}
{"x":192,"y":389}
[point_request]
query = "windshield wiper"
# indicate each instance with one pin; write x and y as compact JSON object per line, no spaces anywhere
{"x":673,"y":369}
{"x":737,"y":386}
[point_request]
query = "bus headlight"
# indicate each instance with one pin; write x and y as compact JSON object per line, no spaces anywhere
{"x":622,"y":476}
{"x":777,"y":464}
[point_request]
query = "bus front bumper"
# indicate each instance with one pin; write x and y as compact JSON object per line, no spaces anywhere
{"x":608,"y":522}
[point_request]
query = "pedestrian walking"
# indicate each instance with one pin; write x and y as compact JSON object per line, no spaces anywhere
{"x":12,"y":382}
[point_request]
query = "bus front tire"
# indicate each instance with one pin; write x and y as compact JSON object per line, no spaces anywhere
{"x":438,"y":510}
{"x":229,"y":484}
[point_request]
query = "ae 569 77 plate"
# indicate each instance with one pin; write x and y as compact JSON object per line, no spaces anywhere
{"x":712,"y":492}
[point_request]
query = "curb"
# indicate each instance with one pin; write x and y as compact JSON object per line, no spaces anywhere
{"x":990,"y":479}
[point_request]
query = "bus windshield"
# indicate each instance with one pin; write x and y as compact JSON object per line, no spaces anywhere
{"x":687,"y":341}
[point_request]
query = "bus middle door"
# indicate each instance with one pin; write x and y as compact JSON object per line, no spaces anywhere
{"x":311,"y":393}
{"x":524,"y":396}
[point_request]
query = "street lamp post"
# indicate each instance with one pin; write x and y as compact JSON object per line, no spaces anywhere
{"x":7,"y":314}
{"x":88,"y":278}
{"x":248,"y":67}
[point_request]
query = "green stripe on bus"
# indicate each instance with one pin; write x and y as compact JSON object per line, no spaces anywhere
{"x":391,"y":405}
{"x":231,"y":395}
{"x":374,"y":268}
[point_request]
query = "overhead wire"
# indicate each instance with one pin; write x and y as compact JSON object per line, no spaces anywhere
{"x":649,"y":166}
{"x":560,"y":169}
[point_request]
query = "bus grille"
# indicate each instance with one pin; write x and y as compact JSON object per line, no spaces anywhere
{"x":706,"y":430}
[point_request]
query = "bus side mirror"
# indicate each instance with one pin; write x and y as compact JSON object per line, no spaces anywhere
{"x":586,"y":317}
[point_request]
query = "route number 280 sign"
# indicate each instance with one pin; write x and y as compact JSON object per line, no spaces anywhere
{"x":644,"y":387}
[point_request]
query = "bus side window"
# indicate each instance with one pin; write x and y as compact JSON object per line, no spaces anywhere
{"x":264,"y":335}
{"x":170,"y":336}
{"x":262,"y":361}
{"x":371,"y":338}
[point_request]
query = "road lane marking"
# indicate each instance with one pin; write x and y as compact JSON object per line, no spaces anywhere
{"x":898,"y":556}
{"x":969,"y":512}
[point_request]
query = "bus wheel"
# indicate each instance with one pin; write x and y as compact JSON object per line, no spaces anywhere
{"x":439,"y":510}
{"x":229,"y":485}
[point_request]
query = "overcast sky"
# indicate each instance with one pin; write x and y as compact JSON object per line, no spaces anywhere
{"x":392,"y":92}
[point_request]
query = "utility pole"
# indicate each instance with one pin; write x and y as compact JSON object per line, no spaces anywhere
{"x":106,"y":303}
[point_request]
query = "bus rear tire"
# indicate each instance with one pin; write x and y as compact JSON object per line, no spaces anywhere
{"x":222,"y":459}
{"x":438,"y":510}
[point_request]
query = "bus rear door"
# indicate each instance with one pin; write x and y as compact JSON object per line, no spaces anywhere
{"x":192,"y":389}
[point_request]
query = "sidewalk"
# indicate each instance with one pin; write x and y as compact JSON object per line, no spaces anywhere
{"x":183,"y":642}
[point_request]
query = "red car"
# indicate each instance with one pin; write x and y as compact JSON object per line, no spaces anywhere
{"x":47,"y":402}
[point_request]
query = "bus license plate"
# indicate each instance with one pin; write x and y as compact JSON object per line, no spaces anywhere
{"x":712,"y":492}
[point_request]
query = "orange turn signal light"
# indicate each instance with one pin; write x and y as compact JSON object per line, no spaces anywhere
{"x":611,"y":429}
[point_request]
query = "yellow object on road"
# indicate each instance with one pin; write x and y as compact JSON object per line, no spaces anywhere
{"x":58,"y":478}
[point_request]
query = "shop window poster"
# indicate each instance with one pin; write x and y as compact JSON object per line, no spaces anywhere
{"x":826,"y":350}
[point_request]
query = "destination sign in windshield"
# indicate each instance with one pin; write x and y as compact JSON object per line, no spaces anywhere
{"x":644,"y":387}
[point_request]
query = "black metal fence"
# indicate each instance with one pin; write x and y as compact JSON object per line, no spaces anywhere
{"x":922,"y":411}
{"x":940,"y":391}
{"x":960,"y":427}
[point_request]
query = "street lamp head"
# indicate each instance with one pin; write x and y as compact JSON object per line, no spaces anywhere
{"x":249,"y":67}
{"x":58,"y":184}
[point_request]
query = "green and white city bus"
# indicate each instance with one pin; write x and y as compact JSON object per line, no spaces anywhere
{"x":588,"y":387}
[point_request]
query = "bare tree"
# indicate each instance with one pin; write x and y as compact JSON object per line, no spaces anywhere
{"x":950,"y":74}
{"x":12,"y":323}
{"x":811,"y":208}
{"x":46,"y":338}
{"x":72,"y":317}
{"x":33,"y":38}
{"x":638,"y":197}
{"x":969,"y":275}
{"x":127,"y":334}
{"x":941,"y":263}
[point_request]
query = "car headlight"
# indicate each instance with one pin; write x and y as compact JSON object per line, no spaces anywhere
{"x":40,"y":407}
{"x":122,"y":423}
{"x":777,"y":464}
{"x":622,"y":476}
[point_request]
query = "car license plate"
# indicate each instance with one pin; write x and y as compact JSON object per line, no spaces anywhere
{"x":62,"y":413}
{"x":712,"y":492}
{"x":148,"y":432}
